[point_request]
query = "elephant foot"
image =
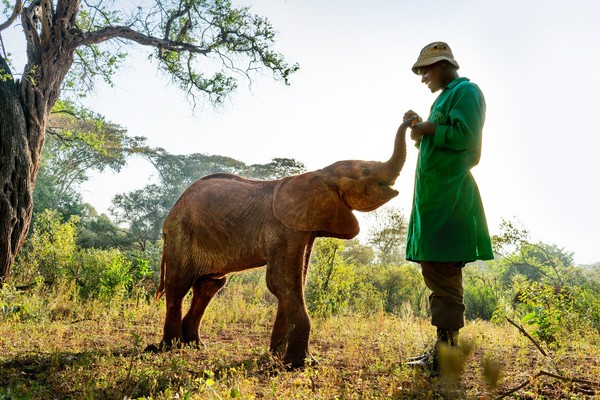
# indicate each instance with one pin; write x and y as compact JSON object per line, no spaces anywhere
{"x":152,"y":348}
{"x":196,"y":344}
{"x":306,"y":360}
{"x":279,"y":349}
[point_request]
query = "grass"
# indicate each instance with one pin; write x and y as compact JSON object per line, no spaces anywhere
{"x":54,"y":347}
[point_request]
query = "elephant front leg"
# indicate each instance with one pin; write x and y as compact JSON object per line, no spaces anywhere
{"x":298,"y":334}
{"x":280,"y":330}
{"x":285,"y":279}
{"x":291,"y":330}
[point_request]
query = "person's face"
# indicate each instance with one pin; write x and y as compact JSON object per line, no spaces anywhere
{"x":434,"y":76}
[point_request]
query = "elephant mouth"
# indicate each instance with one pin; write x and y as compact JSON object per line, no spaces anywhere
{"x":382,"y":195}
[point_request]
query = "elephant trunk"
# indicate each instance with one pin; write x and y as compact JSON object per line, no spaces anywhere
{"x":393,"y":166}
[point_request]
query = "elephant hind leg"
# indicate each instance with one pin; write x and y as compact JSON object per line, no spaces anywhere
{"x":204,"y":290}
{"x":172,"y":333}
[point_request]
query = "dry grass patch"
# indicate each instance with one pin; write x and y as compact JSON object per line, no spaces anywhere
{"x":94,"y":350}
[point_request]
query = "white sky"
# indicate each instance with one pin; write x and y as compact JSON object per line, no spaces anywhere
{"x":536,"y":62}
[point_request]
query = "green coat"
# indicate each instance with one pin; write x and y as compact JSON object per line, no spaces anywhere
{"x":447,"y":222}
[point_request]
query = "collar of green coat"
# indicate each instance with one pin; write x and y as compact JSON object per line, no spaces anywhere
{"x":455,"y":82}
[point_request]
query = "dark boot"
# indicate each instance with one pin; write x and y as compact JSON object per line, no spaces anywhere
{"x":430,"y":360}
{"x":448,"y":337}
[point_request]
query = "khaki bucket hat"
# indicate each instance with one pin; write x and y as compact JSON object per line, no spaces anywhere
{"x":432,"y":53}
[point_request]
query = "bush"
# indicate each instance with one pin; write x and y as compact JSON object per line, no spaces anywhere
{"x":330,"y":279}
{"x":399,"y":286}
{"x":482,"y":292}
{"x":555,"y":313}
{"x":335,"y":286}
{"x":102,"y":273}
{"x":51,"y":255}
{"x":49,"y":250}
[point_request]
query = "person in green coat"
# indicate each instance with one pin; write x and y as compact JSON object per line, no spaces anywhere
{"x":447,"y":226}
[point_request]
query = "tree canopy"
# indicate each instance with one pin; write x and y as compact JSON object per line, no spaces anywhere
{"x":204,"y":46}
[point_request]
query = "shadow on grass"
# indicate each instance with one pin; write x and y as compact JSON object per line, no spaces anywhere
{"x":121,"y":373}
{"x":61,"y":375}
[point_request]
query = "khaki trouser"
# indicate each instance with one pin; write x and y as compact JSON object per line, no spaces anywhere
{"x":444,"y":279}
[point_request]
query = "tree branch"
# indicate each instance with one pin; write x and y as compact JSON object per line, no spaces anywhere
{"x":124,"y":32}
{"x":47,"y":10}
{"x":551,"y":375}
{"x":16,"y":11}
{"x":524,"y":332}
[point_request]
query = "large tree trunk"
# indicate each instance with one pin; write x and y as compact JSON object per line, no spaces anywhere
{"x":24,"y":109}
{"x":15,"y":175}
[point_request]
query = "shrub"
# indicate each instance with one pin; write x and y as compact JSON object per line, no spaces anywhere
{"x":398,"y":285}
{"x":48,"y":251}
{"x":482,"y":292}
{"x":51,"y":255}
{"x":330,"y":279}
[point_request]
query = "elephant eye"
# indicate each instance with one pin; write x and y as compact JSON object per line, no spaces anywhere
{"x":366,"y":171}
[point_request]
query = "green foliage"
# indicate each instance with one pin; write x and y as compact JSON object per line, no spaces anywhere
{"x":144,"y":211}
{"x":278,"y":168}
{"x":51,"y":255}
{"x":400,"y":286}
{"x":219,"y":32}
{"x":330,"y":279}
{"x":535,"y":261}
{"x":79,"y":141}
{"x":49,"y":250}
{"x":336,"y":285}
{"x":482,"y":292}
{"x":387,"y":234}
{"x":555,"y":313}
{"x":357,"y":253}
{"x":98,"y":231}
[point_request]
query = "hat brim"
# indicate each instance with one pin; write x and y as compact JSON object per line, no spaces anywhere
{"x":424,"y":62}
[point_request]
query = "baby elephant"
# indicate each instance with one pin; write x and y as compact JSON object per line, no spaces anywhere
{"x":223,"y":223}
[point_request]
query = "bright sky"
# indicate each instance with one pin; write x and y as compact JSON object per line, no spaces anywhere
{"x":535,"y":61}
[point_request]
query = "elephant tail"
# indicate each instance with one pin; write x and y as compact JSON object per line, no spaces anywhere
{"x":161,"y":285}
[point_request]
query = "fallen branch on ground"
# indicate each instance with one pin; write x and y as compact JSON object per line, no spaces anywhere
{"x":546,"y":373}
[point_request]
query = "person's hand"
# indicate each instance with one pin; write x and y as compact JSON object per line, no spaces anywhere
{"x":410,"y":115}
{"x":414,"y":120}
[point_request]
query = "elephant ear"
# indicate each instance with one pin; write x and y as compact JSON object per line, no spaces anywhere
{"x":306,"y":203}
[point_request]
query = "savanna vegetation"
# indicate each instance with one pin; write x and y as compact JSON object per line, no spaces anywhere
{"x":79,"y":309}
{"x":77,"y":304}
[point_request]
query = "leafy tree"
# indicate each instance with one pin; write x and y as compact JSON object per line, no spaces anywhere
{"x":387,"y":234}
{"x":357,"y":253}
{"x":71,"y":44}
{"x":278,"y":168}
{"x":98,"y":231}
{"x":78,"y":142}
{"x":535,"y":261}
{"x":330,"y":280}
{"x":143,"y":211}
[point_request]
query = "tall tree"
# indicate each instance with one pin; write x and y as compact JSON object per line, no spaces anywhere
{"x":387,"y":234}
{"x":71,"y":43}
{"x":78,"y":142}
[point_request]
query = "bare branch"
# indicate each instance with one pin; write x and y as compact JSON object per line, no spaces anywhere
{"x":524,"y":332}
{"x":551,"y":375}
{"x":124,"y":32}
{"x":16,"y":11}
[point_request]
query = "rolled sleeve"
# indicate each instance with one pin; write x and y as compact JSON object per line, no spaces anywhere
{"x":464,"y":122}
